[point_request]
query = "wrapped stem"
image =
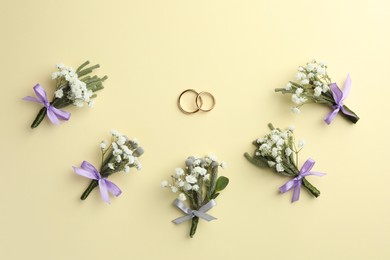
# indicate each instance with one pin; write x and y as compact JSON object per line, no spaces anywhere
{"x":38,"y":119}
{"x":92,"y":185}
{"x":194,"y":225}
{"x":313,"y":190}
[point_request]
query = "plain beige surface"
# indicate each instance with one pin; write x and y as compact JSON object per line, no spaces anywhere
{"x":151,"y":51}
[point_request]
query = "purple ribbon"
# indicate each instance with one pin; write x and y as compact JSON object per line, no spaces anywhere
{"x":297,"y":181}
{"x":338,"y":97}
{"x":53,"y":113}
{"x":105,"y":186}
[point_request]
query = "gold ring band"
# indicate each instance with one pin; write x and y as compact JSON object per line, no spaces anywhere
{"x":199,"y":100}
{"x":179,"y":102}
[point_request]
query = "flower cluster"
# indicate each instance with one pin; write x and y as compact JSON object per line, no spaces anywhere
{"x":78,"y":91}
{"x":278,"y":150}
{"x":73,"y":87}
{"x":121,"y":154}
{"x":198,"y":182}
{"x":313,"y":86}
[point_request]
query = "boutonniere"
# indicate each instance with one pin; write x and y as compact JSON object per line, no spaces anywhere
{"x":120,"y":155}
{"x":199,"y":184}
{"x":73,"y":87}
{"x":315,"y":86}
{"x":278,"y":151}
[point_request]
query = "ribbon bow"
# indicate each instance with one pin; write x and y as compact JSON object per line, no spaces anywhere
{"x":201,"y":213}
{"x":53,"y":113}
{"x":297,"y":181}
{"x":338,"y":97}
{"x":105,"y":186}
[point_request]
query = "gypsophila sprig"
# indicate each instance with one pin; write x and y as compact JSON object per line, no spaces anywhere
{"x":313,"y":85}
{"x":198,"y":184}
{"x":279,"y":151}
{"x":73,"y":87}
{"x":121,"y":155}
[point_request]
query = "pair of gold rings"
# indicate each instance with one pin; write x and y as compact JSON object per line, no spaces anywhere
{"x":198,"y":101}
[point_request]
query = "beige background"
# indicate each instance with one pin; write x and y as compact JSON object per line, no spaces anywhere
{"x":151,"y":51}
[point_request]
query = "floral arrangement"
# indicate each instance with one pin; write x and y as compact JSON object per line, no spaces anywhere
{"x":315,"y":86}
{"x":72,"y":88}
{"x":200,"y":184}
{"x":278,"y":151}
{"x":121,"y":155}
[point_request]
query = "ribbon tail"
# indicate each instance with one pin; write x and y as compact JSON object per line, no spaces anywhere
{"x":182,"y":219}
{"x":204,"y":216}
{"x":52,"y":116}
{"x":61,"y":114}
{"x":32,"y":99}
{"x":329,"y":118}
{"x":41,"y":93}
{"x":287,"y":186}
{"x":85,"y":173}
{"x":347,"y":87}
{"x":104,"y":191}
{"x":112,"y":188}
{"x":320,"y":174}
{"x":296,"y":193}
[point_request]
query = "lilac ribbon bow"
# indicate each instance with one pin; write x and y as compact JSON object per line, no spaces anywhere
{"x":105,"y":186}
{"x":53,"y":113}
{"x":201,"y":213}
{"x":338,"y":97}
{"x":297,"y":181}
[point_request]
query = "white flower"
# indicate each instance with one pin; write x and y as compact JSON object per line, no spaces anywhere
{"x":260,"y":140}
{"x":288,"y":151}
{"x":275,"y":138}
{"x":138,"y":165}
{"x":206,"y":177}
{"x":279,"y":167}
{"x":174,"y":189}
{"x":291,"y":128}
{"x":187,"y":186}
{"x":299,"y":91}
{"x":91,"y":103}
{"x":300,"y":76}
{"x":310,"y":66}
{"x":114,"y":132}
{"x":103,"y":145}
{"x":278,"y":159}
{"x":305,"y":82}
{"x":310,"y":75}
{"x":195,"y":187}
{"x":78,"y":103}
{"x":223,"y":165}
{"x":317,"y":91}
{"x":264,"y":147}
{"x":288,"y":86}
{"x":274,"y":152}
{"x":127,"y":169}
{"x":317,"y":83}
{"x":280,"y":142}
{"x":300,"y":68}
{"x":121,"y":140}
{"x":271,"y":163}
{"x":301,"y":143}
{"x":199,"y":170}
{"x":191,"y":179}
{"x":131,"y":160}
{"x":164,"y":184}
{"x":60,"y":66}
{"x":295,"y":110}
{"x":118,"y":158}
{"x":257,"y":154}
{"x":179,"y":172}
{"x":182,"y":197}
{"x":296,"y":99}
{"x":180,"y":183}
{"x":213,"y":157}
{"x":59,"y":93}
{"x":321,"y":70}
{"x":111,"y":166}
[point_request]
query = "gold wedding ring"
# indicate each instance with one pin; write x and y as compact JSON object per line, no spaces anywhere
{"x":198,"y":101}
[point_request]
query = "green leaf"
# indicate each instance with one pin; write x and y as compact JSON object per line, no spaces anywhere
{"x":214,"y":195}
{"x":222,"y":182}
{"x":259,"y":163}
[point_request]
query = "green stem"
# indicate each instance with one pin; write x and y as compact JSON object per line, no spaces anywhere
{"x":313,"y":190}
{"x":194,"y":225}
{"x":38,"y":119}
{"x":92,"y":185}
